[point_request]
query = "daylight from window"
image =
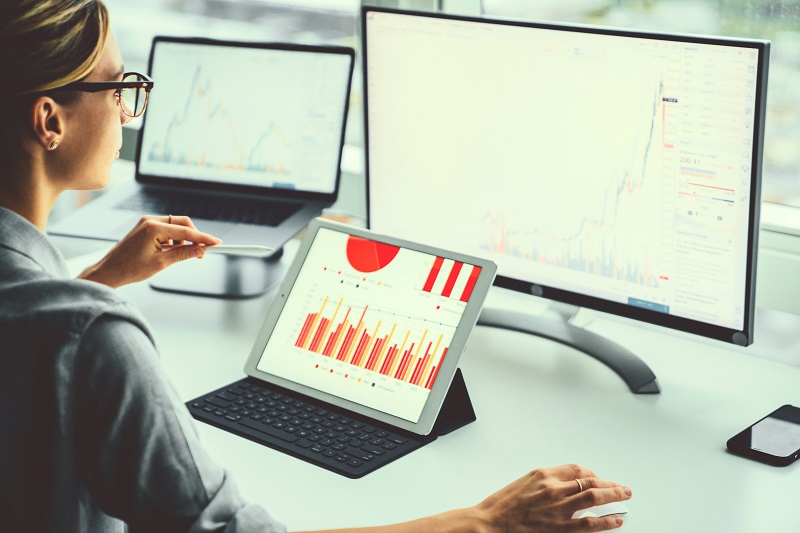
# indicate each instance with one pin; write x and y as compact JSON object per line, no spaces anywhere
{"x":337,"y":22}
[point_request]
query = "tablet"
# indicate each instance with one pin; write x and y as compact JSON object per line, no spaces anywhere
{"x":370,"y":323}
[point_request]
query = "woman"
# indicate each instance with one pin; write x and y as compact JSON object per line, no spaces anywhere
{"x":94,"y":437}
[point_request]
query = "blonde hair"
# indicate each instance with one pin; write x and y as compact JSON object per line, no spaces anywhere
{"x":45,"y":44}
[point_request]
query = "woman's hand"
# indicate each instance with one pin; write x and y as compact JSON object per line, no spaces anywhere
{"x":155,"y":243}
{"x":545,"y":500}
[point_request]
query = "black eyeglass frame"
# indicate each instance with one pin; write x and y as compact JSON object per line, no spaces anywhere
{"x":145,"y":83}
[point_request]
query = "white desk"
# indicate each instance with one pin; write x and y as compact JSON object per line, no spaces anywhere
{"x":562,"y":406}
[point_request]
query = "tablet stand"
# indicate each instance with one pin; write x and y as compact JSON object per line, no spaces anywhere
{"x":457,"y":408}
{"x":221,"y":276}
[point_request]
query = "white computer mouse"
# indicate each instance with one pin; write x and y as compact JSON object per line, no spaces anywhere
{"x":602,"y":510}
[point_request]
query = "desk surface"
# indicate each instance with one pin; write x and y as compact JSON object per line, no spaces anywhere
{"x":562,"y":406}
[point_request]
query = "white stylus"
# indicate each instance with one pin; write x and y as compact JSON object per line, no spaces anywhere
{"x":252,"y":250}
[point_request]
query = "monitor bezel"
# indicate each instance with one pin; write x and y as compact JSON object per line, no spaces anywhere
{"x":742,"y":337}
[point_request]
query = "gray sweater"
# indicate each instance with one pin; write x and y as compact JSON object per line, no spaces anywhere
{"x":93,"y":437}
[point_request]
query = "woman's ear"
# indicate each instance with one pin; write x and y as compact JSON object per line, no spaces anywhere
{"x":47,"y":121}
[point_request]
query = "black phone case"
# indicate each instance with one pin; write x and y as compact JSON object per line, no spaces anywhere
{"x":760,"y":456}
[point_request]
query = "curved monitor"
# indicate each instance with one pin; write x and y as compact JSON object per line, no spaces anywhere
{"x":604,"y":168}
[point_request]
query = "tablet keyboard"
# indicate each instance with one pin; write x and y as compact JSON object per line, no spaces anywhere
{"x":321,"y":434}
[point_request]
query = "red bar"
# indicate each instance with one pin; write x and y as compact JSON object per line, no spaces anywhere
{"x":416,"y":368}
{"x":417,"y":376}
{"x":332,"y":340}
{"x":473,"y":277}
{"x":335,"y":337}
{"x":348,"y":339}
{"x":304,"y":331}
{"x":317,"y":340}
{"x":362,"y":347}
{"x":361,"y":318}
{"x":422,"y":369}
{"x":373,"y":354}
{"x":404,"y":362}
{"x":408,"y":361}
{"x":432,"y":378}
{"x":387,"y":364}
{"x":451,"y":280}
{"x":437,"y":266}
{"x":359,"y":346}
{"x":394,"y":358}
{"x":389,"y":355}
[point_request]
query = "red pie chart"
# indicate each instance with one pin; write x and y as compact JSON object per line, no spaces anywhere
{"x":369,"y":256}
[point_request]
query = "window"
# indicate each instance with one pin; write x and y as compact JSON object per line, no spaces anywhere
{"x":337,"y":21}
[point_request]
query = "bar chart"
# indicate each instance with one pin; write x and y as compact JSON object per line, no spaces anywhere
{"x":371,"y":323}
{"x":381,"y":348}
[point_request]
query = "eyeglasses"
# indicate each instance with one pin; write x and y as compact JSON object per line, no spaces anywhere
{"x":132,"y":92}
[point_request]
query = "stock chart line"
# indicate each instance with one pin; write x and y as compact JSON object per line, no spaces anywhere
{"x":222,"y":146}
{"x":591,"y":246}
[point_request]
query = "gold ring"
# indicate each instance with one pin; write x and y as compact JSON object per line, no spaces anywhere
{"x":580,"y":485}
{"x":170,"y":220}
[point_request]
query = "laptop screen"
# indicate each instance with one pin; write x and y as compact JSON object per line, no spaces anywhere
{"x":369,"y":322}
{"x":254,"y":115}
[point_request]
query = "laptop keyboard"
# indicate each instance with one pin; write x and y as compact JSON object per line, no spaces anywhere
{"x":258,"y":211}
{"x":304,"y":428}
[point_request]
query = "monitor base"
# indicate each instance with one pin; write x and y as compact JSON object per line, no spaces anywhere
{"x":633,"y":371}
{"x":221,"y":276}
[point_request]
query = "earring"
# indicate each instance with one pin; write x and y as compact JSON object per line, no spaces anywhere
{"x":54,"y":145}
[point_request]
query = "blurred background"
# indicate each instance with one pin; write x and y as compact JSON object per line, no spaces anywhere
{"x":337,"y":22}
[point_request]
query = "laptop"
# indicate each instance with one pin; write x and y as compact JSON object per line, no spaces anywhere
{"x":356,"y":363}
{"x":245,"y":138}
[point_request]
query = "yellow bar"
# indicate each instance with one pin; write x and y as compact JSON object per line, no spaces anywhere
{"x":356,"y":335}
{"x":370,"y":342}
{"x":424,"y":374}
{"x":412,"y":364}
{"x":328,"y":327}
{"x":385,"y":346}
{"x":340,"y":338}
{"x":400,"y":356}
{"x":314,"y":325}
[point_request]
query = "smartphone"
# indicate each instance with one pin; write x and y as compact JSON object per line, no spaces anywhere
{"x":775,"y":439}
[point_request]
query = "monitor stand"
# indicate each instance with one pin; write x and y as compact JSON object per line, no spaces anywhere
{"x":633,"y":371}
{"x":221,"y":276}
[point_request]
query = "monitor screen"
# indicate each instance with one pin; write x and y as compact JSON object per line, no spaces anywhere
{"x":247,"y":114}
{"x":604,"y":168}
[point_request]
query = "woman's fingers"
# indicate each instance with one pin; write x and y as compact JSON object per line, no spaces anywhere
{"x":585,"y":485}
{"x":569,"y":472}
{"x":175,"y":230}
{"x":175,"y":254}
{"x":177,"y":220}
{"x":598,"y":523}
{"x":180,"y":234}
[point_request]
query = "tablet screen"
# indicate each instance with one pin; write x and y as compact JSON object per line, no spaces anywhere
{"x":369,"y":322}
